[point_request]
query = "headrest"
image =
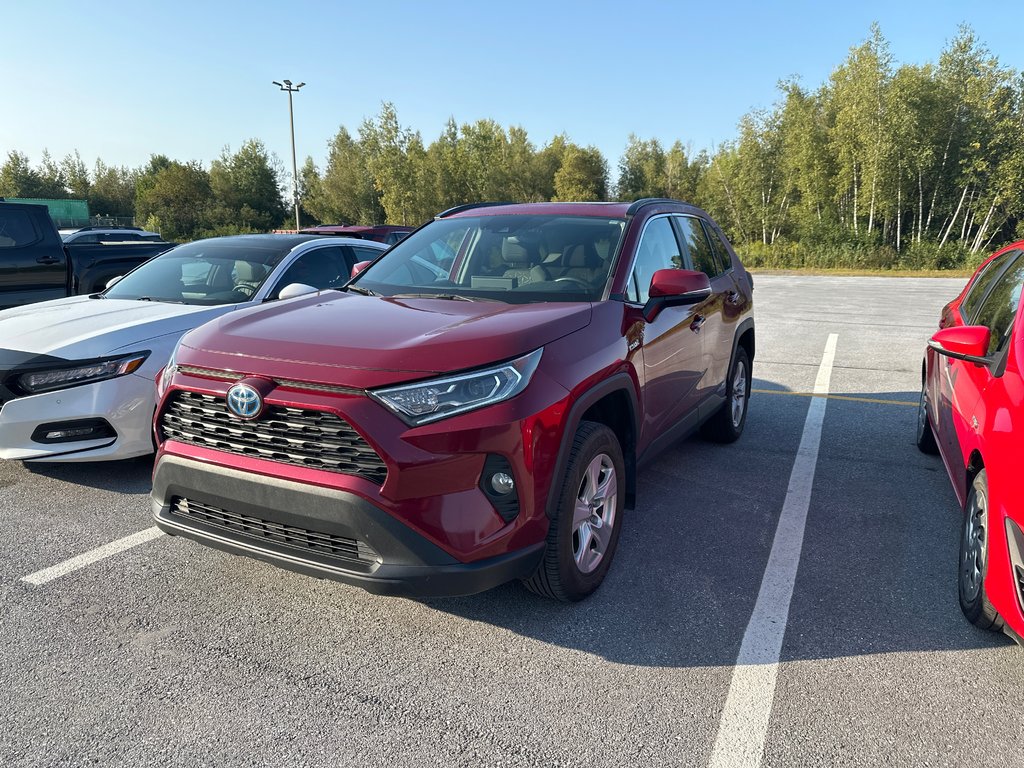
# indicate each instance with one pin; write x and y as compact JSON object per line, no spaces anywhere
{"x":515,"y":252}
{"x":247,"y":272}
{"x":583,"y":255}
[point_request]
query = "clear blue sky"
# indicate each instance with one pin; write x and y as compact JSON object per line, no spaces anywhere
{"x":121,"y":80}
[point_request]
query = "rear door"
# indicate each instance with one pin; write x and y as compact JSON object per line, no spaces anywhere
{"x":719,"y":325}
{"x":672,"y":344}
{"x":33,"y":265}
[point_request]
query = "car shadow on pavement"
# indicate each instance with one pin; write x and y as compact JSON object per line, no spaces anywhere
{"x":877,"y":571}
{"x":131,"y":476}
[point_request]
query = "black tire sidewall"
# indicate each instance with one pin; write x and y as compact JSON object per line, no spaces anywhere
{"x":978,"y":611}
{"x":600,"y":439}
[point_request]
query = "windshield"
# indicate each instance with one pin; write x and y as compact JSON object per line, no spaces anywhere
{"x":204,"y":272}
{"x":508,"y":258}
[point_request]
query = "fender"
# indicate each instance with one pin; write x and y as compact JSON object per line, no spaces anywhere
{"x":619,"y":381}
{"x":746,"y":324}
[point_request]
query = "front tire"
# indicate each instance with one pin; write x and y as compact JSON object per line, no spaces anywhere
{"x":727,"y":424}
{"x":588,"y":519}
{"x":974,"y":553}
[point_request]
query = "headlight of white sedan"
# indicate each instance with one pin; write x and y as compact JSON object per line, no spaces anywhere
{"x":82,"y":373}
{"x":435,"y":399}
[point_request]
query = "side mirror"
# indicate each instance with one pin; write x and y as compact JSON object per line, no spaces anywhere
{"x":292,"y":290}
{"x":675,"y":287}
{"x":359,"y":267}
{"x":113,"y":281}
{"x":968,"y":342}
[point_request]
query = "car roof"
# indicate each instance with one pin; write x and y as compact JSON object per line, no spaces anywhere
{"x":616,"y":210}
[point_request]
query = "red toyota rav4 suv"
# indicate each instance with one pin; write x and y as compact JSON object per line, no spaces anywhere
{"x":472,"y":408}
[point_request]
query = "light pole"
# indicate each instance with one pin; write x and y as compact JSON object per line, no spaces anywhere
{"x":287,"y":86}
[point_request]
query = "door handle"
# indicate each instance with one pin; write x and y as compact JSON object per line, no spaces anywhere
{"x":698,"y":321}
{"x":732,"y":297}
{"x":47,"y":260}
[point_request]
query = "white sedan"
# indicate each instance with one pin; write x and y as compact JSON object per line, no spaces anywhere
{"x":76,"y":374}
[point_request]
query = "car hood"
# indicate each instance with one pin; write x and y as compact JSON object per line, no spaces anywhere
{"x":81,"y":328}
{"x":362,"y":341}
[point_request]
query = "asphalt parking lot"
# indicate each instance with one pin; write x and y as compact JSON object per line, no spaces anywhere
{"x":168,"y":653}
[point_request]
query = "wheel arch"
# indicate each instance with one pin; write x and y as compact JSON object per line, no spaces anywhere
{"x":744,"y":337}
{"x":614,"y":403}
{"x":975,"y":464}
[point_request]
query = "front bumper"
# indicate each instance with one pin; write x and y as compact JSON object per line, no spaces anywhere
{"x":337,"y":535}
{"x":126,"y":403}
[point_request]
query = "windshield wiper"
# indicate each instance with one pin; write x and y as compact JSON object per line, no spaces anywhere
{"x":163,"y":301}
{"x":444,"y":296}
{"x":360,"y":290}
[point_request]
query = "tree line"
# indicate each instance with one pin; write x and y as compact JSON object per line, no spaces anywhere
{"x":880,"y":166}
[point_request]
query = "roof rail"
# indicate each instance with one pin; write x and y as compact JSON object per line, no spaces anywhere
{"x":638,"y":204}
{"x":109,"y":226}
{"x":468,"y":207}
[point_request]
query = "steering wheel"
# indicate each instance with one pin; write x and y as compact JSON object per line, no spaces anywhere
{"x":576,"y":280}
{"x":246,"y":290}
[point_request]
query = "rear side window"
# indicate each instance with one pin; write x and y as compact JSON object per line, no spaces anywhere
{"x":721,"y":252}
{"x":700,"y":248}
{"x":658,"y":249}
{"x":16,"y":228}
{"x":984,"y":280}
{"x":1000,"y":306}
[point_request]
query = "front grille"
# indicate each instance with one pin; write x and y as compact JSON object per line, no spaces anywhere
{"x":304,"y":437}
{"x":1020,"y":581}
{"x":267,"y":531}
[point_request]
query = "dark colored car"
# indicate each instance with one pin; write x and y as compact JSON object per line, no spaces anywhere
{"x":36,"y":265}
{"x":389,"y":234}
{"x":471,"y":409}
{"x":972,"y":413}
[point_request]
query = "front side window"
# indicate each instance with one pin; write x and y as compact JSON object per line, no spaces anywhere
{"x":981,"y":284}
{"x":321,"y":268}
{"x":658,"y":249}
{"x":999,"y":308}
{"x":512,"y":258}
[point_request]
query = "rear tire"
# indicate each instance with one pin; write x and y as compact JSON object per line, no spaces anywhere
{"x":585,"y":529}
{"x":973,"y":563}
{"x":925,"y":436}
{"x":727,"y":424}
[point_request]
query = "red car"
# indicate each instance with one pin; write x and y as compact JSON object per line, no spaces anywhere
{"x":389,"y":234}
{"x":972,"y":414}
{"x":472,"y":408}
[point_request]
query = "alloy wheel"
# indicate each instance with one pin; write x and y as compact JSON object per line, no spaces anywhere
{"x":972,"y":563}
{"x":739,"y":393}
{"x":594,"y":513}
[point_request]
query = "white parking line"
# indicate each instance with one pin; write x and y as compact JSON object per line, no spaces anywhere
{"x":744,"y":723}
{"x":75,"y":563}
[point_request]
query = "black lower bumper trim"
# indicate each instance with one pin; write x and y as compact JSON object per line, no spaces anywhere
{"x":410,"y":565}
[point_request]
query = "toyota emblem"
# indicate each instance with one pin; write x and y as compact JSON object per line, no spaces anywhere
{"x":244,"y":401}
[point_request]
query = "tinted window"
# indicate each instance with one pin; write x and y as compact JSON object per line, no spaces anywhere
{"x":321,"y":268}
{"x":658,"y":249}
{"x":980,"y":286}
{"x":1000,"y":306}
{"x":365,"y":254}
{"x":722,"y":257}
{"x":701,"y":255}
{"x":16,"y":228}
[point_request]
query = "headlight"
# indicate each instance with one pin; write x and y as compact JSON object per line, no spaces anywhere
{"x":163,"y":381}
{"x":429,"y":401}
{"x":86,"y":373}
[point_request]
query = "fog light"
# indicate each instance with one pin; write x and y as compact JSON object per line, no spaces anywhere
{"x":63,"y":434}
{"x":502,"y":483}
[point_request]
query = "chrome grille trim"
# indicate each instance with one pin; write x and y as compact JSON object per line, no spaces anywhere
{"x":302,"y":437}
